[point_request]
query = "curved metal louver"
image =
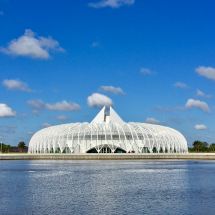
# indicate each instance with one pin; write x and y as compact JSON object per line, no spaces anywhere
{"x":111,"y":137}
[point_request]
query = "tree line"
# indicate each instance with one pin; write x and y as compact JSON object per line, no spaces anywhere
{"x":8,"y":148}
{"x":199,"y":146}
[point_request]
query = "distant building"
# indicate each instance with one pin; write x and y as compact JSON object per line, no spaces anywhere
{"x":108,"y":134}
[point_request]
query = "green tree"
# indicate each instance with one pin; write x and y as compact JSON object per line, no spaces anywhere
{"x":21,"y":145}
{"x":7,"y":148}
{"x":204,"y":146}
{"x":2,"y":147}
{"x":197,"y":144}
{"x":212,"y":147}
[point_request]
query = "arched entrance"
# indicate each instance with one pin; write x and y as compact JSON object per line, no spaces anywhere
{"x":93,"y":150}
{"x":106,"y":149}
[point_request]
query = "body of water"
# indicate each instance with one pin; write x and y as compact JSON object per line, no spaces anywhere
{"x":107,"y":187}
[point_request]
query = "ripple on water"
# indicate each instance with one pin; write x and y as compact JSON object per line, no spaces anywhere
{"x":107,"y":187}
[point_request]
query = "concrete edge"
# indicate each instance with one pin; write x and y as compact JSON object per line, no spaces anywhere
{"x":178,"y":156}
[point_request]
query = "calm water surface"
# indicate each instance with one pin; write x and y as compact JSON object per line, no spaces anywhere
{"x":107,"y":187}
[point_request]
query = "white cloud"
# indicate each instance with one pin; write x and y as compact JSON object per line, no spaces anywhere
{"x":32,"y":46}
{"x":191,"y":103}
{"x":13,"y":84}
{"x":200,"y":127}
{"x":98,"y":101}
{"x":208,"y":72}
{"x":1,"y":13}
{"x":95,"y":44}
{"x":116,"y":90}
{"x":111,"y":3}
{"x":179,"y":84}
{"x":6,"y":111}
{"x":145,"y":71}
{"x":200,"y":93}
{"x":45,"y":125}
{"x":61,"y":118}
{"x":35,"y":112}
{"x":153,"y":121}
{"x":36,"y":103}
{"x":59,"y":106}
{"x":63,"y":106}
{"x":30,"y":133}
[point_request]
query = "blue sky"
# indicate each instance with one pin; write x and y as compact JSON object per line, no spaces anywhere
{"x":62,"y":61}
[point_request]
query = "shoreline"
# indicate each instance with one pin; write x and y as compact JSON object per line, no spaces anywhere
{"x":91,"y":156}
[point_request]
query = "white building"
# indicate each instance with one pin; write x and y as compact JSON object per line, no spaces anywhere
{"x":108,"y":134}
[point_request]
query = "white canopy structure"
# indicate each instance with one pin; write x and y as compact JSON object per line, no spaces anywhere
{"x":108,"y":134}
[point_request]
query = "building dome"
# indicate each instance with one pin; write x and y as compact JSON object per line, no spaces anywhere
{"x":108,"y":134}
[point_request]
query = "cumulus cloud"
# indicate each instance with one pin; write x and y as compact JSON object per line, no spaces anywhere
{"x":179,"y":84}
{"x":6,"y":111}
{"x":35,"y":112}
{"x":16,"y":84}
{"x":115,"y":90}
{"x":61,"y":118}
{"x":145,"y":71}
{"x":45,"y":125}
{"x":59,"y":106}
{"x":30,"y":133}
{"x":153,"y":121}
{"x":111,"y":3}
{"x":200,"y":93}
{"x":98,"y":101}
{"x":200,"y":127}
{"x":191,"y":103}
{"x":32,"y":46}
{"x":207,"y":72}
{"x":36,"y":103}
{"x":63,"y":106}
